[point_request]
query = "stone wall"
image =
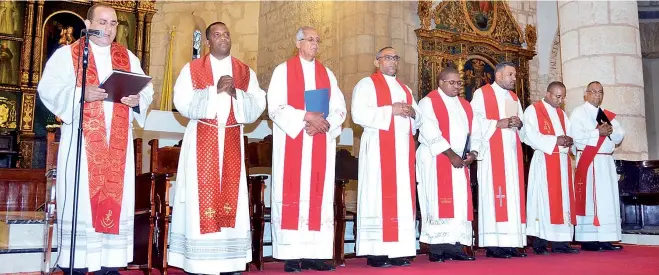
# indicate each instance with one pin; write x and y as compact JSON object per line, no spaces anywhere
{"x":241,"y":17}
{"x":525,"y":13}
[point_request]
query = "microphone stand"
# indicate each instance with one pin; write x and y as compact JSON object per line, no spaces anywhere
{"x":74,"y":227}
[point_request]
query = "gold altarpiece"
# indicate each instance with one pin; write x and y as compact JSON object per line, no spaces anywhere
{"x":472,"y":36}
{"x":47,"y":25}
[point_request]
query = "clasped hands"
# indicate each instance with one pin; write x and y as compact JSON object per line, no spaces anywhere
{"x":457,"y":161}
{"x":226,"y":85}
{"x":403,"y":109}
{"x":511,"y":122}
{"x":564,"y":141}
{"x":315,"y":123}
{"x":94,"y":93}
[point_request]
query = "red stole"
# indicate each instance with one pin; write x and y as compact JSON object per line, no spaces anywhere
{"x":106,"y":164}
{"x":499,"y":162}
{"x":218,"y":195}
{"x":444,"y":167}
{"x":581,"y":174}
{"x":293,"y":152}
{"x":388,"y":162}
{"x":553,"y":167}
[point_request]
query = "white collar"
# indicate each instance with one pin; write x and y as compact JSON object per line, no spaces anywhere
{"x":304,"y":61}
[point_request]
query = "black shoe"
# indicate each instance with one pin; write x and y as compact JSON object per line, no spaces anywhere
{"x":565,"y":249}
{"x":459,"y":257}
{"x":435,"y":258}
{"x":399,"y":261}
{"x":609,"y":247}
{"x":112,"y":273}
{"x":541,"y":250}
{"x":318,"y":265}
{"x":514,"y":252}
{"x":229,"y":273}
{"x":378,"y":261}
{"x":591,"y":246}
{"x":292,"y":266}
{"x":496,"y":253}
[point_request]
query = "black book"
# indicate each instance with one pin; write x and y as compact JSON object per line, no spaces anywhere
{"x":467,"y":147}
{"x":602,"y":118}
{"x":122,"y":84}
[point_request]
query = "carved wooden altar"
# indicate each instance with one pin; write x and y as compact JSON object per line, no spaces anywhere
{"x":472,"y":36}
{"x":43,"y":27}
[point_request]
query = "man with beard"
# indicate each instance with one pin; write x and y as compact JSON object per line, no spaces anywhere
{"x":597,"y":205}
{"x":550,"y":203}
{"x":386,"y":219}
{"x":501,"y":194}
{"x":444,"y":185}
{"x":210,"y":231}
{"x":303,"y":156}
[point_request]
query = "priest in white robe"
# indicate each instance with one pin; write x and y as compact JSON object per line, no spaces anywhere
{"x":550,"y":196}
{"x":596,"y":133}
{"x":444,"y":186}
{"x":308,"y":109}
{"x":386,"y":195}
{"x":210,"y":230}
{"x":106,"y":202}
{"x":501,"y":194}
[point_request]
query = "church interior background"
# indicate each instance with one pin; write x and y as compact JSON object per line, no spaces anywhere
{"x":614,"y":42}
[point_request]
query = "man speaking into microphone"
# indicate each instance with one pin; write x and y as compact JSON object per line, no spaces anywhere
{"x":104,"y":234}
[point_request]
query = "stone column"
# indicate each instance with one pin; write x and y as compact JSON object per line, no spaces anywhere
{"x":600,"y":41}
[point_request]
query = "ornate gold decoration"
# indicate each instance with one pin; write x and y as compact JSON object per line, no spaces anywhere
{"x":140,"y":34}
{"x":530,"y":36}
{"x":38,"y":45}
{"x":210,"y":212}
{"x":27,"y":42}
{"x":7,"y":113}
{"x":458,"y":41}
{"x":26,"y":147}
{"x":424,"y":12}
{"x":147,"y":5}
{"x":28,"y":112}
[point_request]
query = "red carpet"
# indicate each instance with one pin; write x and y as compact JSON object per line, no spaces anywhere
{"x":632,"y":260}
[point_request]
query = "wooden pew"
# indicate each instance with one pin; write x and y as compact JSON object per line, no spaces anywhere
{"x":346,"y":170}
{"x":259,"y":157}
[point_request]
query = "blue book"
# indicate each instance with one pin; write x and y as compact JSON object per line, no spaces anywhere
{"x":317,"y":101}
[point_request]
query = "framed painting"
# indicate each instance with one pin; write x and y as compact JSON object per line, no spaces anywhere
{"x":11,"y":18}
{"x":478,"y":71}
{"x":9,"y":110}
{"x":481,"y":15}
{"x":126,"y":30}
{"x":60,"y":29}
{"x":10,"y":59}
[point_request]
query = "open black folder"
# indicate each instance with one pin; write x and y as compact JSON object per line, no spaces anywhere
{"x":122,"y":84}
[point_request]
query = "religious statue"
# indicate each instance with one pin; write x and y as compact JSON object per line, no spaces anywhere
{"x":123,"y":30}
{"x":7,"y":114}
{"x":8,"y":13}
{"x":477,"y":73}
{"x":6,"y":68}
{"x":66,"y":36}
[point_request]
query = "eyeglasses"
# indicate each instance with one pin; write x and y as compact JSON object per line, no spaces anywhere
{"x":600,"y":92}
{"x":104,"y":22}
{"x":390,"y":57}
{"x":453,"y":82}
{"x":311,"y":40}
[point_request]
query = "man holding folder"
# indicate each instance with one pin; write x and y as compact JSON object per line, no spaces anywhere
{"x":307,"y":108}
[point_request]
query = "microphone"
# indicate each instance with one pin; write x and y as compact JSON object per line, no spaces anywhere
{"x":97,"y":33}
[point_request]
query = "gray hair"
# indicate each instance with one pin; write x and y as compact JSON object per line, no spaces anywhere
{"x":502,"y":65}
{"x":299,"y":35}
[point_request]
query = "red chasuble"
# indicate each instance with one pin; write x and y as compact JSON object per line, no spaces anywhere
{"x":293,"y":152}
{"x":553,"y":164}
{"x":581,"y":174}
{"x":388,"y":162}
{"x":444,"y":166}
{"x":499,"y":161}
{"x":106,"y":164}
{"x":218,"y":193}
